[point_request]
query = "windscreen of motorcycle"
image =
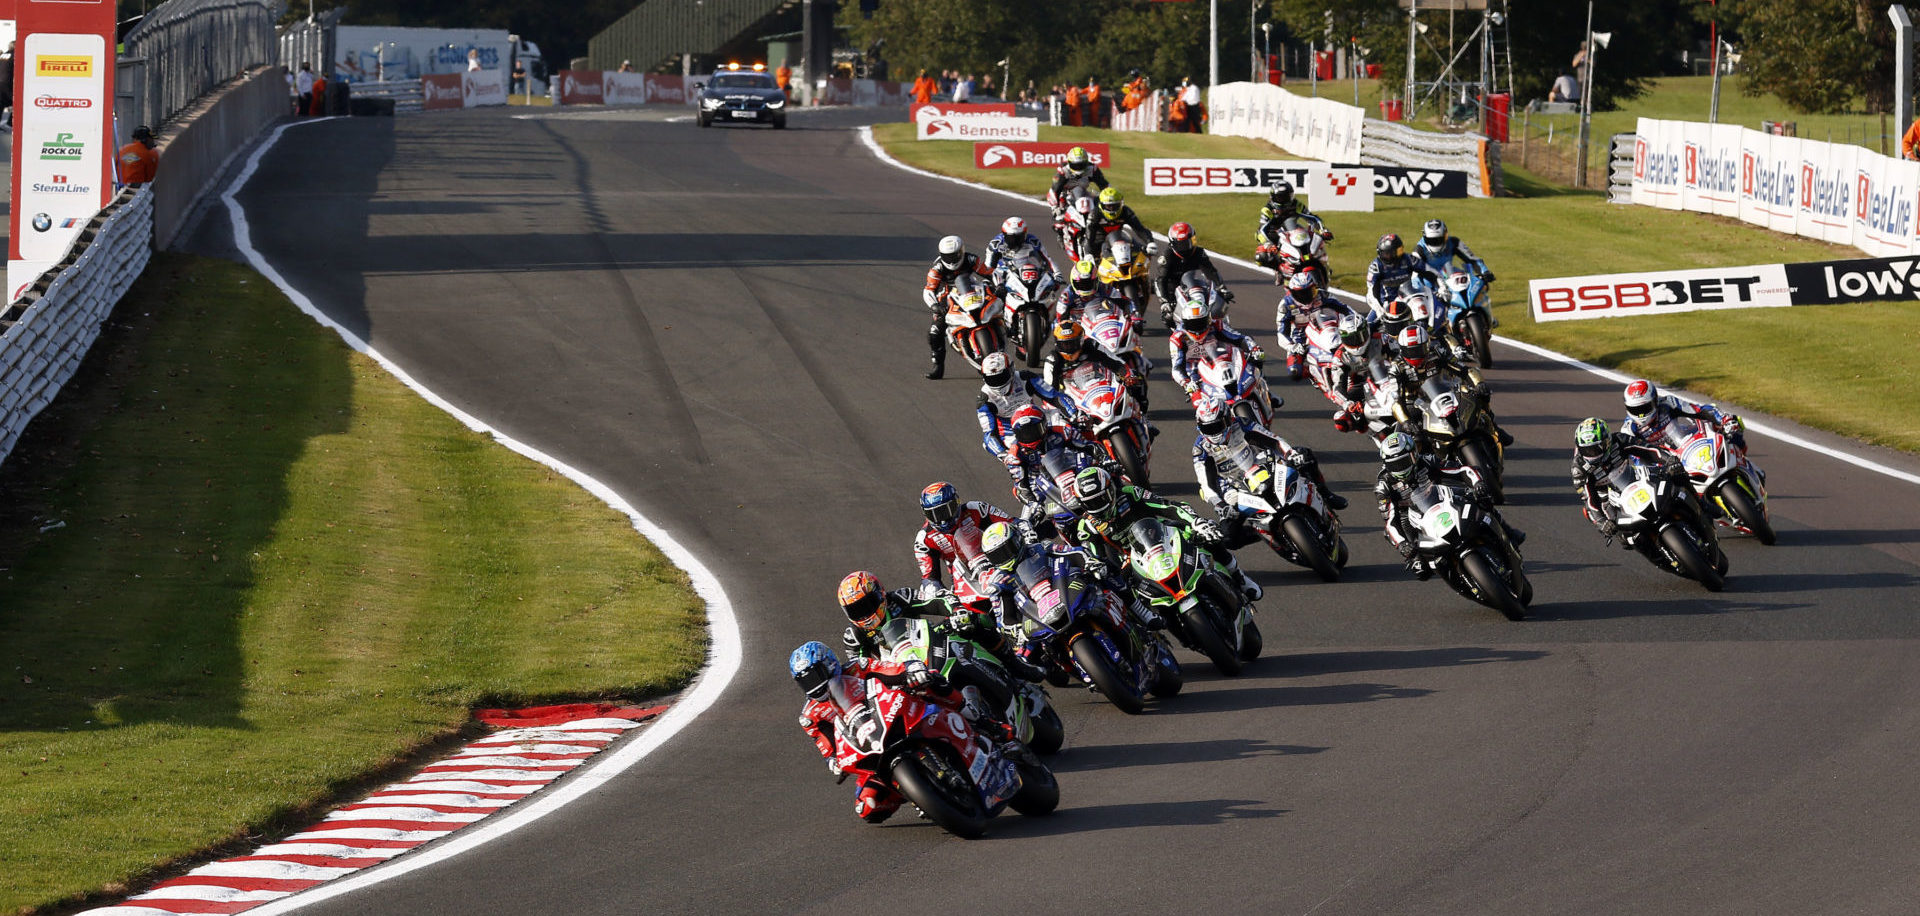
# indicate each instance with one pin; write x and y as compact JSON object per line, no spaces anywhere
{"x":909,"y":639}
{"x":1695,"y":445}
{"x":1039,"y":596}
{"x":1156,"y":550}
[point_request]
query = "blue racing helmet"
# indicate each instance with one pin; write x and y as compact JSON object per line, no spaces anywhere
{"x":812,"y":666}
{"x":941,"y":504}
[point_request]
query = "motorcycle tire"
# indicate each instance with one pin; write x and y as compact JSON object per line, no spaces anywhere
{"x":1058,"y":677}
{"x":965,"y":818}
{"x":1093,"y":660}
{"x":1251,"y":642}
{"x":1049,"y":733}
{"x":1209,"y":636}
{"x":1481,"y":337}
{"x":1170,"y":681}
{"x":1748,"y":513}
{"x":1687,"y":554}
{"x":1305,"y":536}
{"x":1340,"y":552}
{"x":1473,"y":456}
{"x":1039,"y":792}
{"x":1128,"y":459}
{"x":1498,"y":595}
{"x":1035,"y":331}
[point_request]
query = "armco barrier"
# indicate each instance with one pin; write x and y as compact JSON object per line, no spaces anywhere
{"x":47,"y":333}
{"x":196,"y":146}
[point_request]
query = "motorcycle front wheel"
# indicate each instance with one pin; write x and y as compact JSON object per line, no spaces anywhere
{"x":1039,"y":791}
{"x":1306,"y":541}
{"x":1482,"y":338}
{"x":1747,"y":512}
{"x":940,"y":797}
{"x":1092,"y":659}
{"x":1049,"y":733}
{"x":1204,"y":625}
{"x":1497,"y":593}
{"x":1685,"y":552}
{"x":1035,"y":329}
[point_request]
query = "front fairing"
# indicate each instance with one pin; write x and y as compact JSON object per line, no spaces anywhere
{"x":1161,"y":560}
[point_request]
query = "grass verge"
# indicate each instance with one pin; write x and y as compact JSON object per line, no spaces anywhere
{"x":1845,"y":368}
{"x":245,"y":567}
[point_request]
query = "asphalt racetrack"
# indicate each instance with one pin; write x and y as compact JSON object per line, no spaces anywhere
{"x":725,"y":326}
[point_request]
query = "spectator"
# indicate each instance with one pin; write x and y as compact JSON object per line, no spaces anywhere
{"x":138,"y":161}
{"x":1196,"y":112}
{"x":473,"y":59}
{"x":1910,"y":141}
{"x":626,"y":66}
{"x":1074,"y":107}
{"x":1096,"y":106}
{"x":519,"y":75}
{"x":784,"y":77}
{"x":924,"y":87}
{"x":1565,"y":89}
{"x":318,"y":106}
{"x":304,"y":83}
{"x":1134,"y":94}
{"x":986,"y":85}
{"x":963,"y":90}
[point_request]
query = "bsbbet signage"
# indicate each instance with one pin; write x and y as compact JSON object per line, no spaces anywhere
{"x":1033,"y":155}
{"x":1331,"y":187}
{"x":63,"y":143}
{"x":1665,"y":292}
{"x":933,"y":126}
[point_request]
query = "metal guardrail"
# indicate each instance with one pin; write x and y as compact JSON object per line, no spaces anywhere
{"x":183,"y":48}
{"x":48,"y":332}
{"x":659,"y":30}
{"x":407,"y":95}
{"x":1620,"y":169}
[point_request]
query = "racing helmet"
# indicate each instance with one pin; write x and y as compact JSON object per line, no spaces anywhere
{"x":1354,"y":332}
{"x":1014,"y":233}
{"x":1078,"y":160}
{"x":1304,"y":289}
{"x":1640,"y":398}
{"x":1194,"y":316}
{"x":1067,"y":339}
{"x":1029,"y":427}
{"x":952,"y":252}
{"x":1084,"y":280}
{"x":941,"y":505}
{"x":1111,"y":202}
{"x":1393,"y":317}
{"x":1593,"y":443}
{"x":864,"y":600}
{"x":1000,"y":545}
{"x":1210,"y":418}
{"x":1434,"y":233}
{"x":1398,"y":452}
{"x":1389,"y":247}
{"x":813,"y":665}
{"x":1413,"y":345}
{"x":1180,"y":238}
{"x":1282,"y":197}
{"x":1094,"y":492}
{"x":996,"y":372}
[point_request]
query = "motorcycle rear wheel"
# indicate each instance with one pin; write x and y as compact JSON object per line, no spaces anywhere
{"x":1049,"y":733}
{"x":1498,"y":594}
{"x":1306,"y":541}
{"x":1244,"y":410}
{"x":1251,"y":642}
{"x":1688,"y":556}
{"x":964,"y":818}
{"x":1128,"y":459}
{"x":1482,"y":338}
{"x":1093,"y":660}
{"x":1747,"y":512}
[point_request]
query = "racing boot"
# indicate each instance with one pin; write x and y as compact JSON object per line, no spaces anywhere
{"x":1515,"y":535}
{"x":936,"y":350}
{"x":1506,"y":438}
{"x":1248,"y":587}
{"x":1310,"y":466}
{"x":1145,"y":615}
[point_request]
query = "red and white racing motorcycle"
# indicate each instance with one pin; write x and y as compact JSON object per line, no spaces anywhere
{"x":1229,"y":374}
{"x":973,"y":320}
{"x":1110,"y":416}
{"x":1726,"y":480}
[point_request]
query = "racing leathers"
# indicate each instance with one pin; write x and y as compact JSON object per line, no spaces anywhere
{"x":1291,"y":318}
{"x":1217,"y":464}
{"x":999,"y":253}
{"x":1395,"y":496}
{"x":1184,"y":347}
{"x":1386,"y":277}
{"x":1351,"y":371}
{"x":1106,"y":537}
{"x":1105,"y":226}
{"x":937,"y":551}
{"x":1065,"y":180}
{"x":1441,"y":257}
{"x":1054,"y":370}
{"x":975,"y":624}
{"x":1591,"y":482}
{"x":939,"y":278}
{"x":1666,"y":407}
{"x":1408,"y":379}
{"x":997,"y":405}
{"x":1272,"y":219}
{"x":1026,"y":466}
{"x":1173,"y":268}
{"x":877,"y":799}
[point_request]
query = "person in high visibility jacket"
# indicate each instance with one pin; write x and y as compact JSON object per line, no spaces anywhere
{"x":1134,"y":94}
{"x":1075,"y":105}
{"x":923,"y":89}
{"x":784,"y":77}
{"x":1910,"y":141}
{"x":1096,"y":115}
{"x":138,"y":161}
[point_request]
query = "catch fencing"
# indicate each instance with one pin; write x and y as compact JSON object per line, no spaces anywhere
{"x":48,"y":332}
{"x":182,"y":49}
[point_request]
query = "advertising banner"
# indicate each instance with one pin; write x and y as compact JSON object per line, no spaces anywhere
{"x":1659,"y":293}
{"x":1341,"y":188}
{"x":1034,"y":155}
{"x":976,"y":127}
{"x":440,"y":91}
{"x":1226,"y":176}
{"x":1861,"y":280}
{"x":483,"y":87}
{"x":834,"y":91}
{"x":583,"y":87}
{"x":1397,"y":181}
{"x":63,"y":139}
{"x":1318,"y":128}
{"x":948,"y":108}
{"x":623,"y":88}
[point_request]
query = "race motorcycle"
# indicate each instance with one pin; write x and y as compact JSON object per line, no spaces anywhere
{"x":1322,"y":353}
{"x":1194,"y":282}
{"x":1076,"y":226}
{"x":935,"y":644}
{"x":1081,"y":629}
{"x":1381,"y":410}
{"x":1124,"y":269}
{"x":1029,"y":291}
{"x":1050,"y":509}
{"x":1665,"y":525}
{"x":973,"y":320}
{"x":1463,"y":299}
{"x":1724,"y":479}
{"x":1467,"y":544}
{"x":1285,"y":507}
{"x":1455,"y":425}
{"x":1302,"y":245}
{"x":1116,"y":331}
{"x":1107,"y":411}
{"x":1230,"y":375}
{"x":1193,"y":595}
{"x":933,"y":756}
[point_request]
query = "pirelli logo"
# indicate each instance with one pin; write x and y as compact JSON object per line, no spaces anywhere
{"x":77,"y":65}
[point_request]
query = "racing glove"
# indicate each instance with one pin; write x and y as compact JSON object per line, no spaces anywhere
{"x":1487,"y":275}
{"x":919,"y":676}
{"x":1226,"y":295}
{"x":1731,"y":425}
{"x":1608,"y":528}
{"x":1208,"y":532}
{"x":960,"y":620}
{"x":1405,"y":548}
{"x":851,"y":641}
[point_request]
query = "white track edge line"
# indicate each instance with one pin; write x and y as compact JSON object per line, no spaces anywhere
{"x":1765,"y":429}
{"x":723,"y":657}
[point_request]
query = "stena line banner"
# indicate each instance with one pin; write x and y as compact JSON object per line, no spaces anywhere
{"x":63,"y":141}
{"x":1835,"y":192}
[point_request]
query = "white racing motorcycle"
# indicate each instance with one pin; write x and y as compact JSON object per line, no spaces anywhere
{"x":1278,"y":501}
{"x":1725,"y":481}
{"x":1467,"y":544}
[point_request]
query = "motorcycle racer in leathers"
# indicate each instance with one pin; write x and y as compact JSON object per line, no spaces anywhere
{"x":953,"y":261}
{"x":935,"y":549}
{"x":1033,"y":438}
{"x":1004,"y":390}
{"x":1598,"y":451}
{"x":1282,"y":206}
{"x":1296,"y":309}
{"x":1015,"y":241}
{"x":1195,"y":330}
{"x":1390,"y":270}
{"x":1417,"y":359}
{"x":1649,"y":412}
{"x":1111,"y":216}
{"x":869,"y":606}
{"x":1182,"y":256}
{"x":1221,"y":438}
{"x":1107,"y":509}
{"x":1077,"y":172}
{"x":1439,"y":250}
{"x":1070,"y":346}
{"x":1404,"y":469}
{"x":1351,"y":371}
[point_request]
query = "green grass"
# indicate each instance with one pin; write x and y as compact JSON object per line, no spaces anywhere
{"x":279,"y":571}
{"x":1847,"y":368}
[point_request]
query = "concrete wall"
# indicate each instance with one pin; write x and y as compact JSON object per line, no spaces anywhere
{"x":196,"y":146}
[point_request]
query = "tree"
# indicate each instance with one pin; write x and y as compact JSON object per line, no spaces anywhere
{"x":1816,"y":55}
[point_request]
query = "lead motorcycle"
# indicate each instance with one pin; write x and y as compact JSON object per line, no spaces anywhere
{"x":1029,"y":291}
{"x":1193,"y":595}
{"x":935,"y":644}
{"x":1106,"y":410}
{"x":1467,"y":544}
{"x":973,"y":320}
{"x":1463,"y":301}
{"x":1725,"y":480}
{"x":1666,"y":525}
{"x":933,"y":757}
{"x":1081,"y":629}
{"x":1301,"y":246}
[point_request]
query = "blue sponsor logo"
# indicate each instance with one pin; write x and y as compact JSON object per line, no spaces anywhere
{"x":1824,"y":192}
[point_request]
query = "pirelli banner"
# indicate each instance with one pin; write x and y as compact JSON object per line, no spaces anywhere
{"x":1835,"y":192}
{"x":1762,"y":286}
